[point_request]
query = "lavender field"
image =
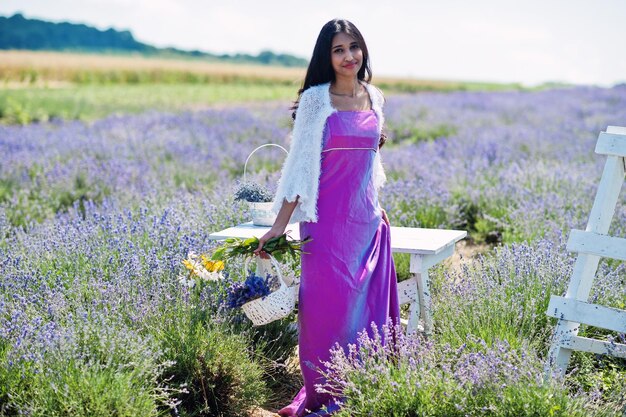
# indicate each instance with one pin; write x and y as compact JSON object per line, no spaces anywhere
{"x":95,"y":219}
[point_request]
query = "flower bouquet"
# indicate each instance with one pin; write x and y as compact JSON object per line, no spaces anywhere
{"x":200,"y":268}
{"x":278,"y":247}
{"x":254,"y":295}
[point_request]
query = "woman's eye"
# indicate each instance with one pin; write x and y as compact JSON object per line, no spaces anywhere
{"x":354,"y":47}
{"x":338,"y":50}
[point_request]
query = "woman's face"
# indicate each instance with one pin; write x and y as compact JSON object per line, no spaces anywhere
{"x":345,"y":55}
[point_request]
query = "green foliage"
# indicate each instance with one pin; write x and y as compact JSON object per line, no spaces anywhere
{"x":467,"y":212}
{"x":23,"y":112}
{"x":418,"y":214}
{"x":603,"y":375}
{"x":88,"y":102}
{"x":416,"y":397}
{"x":273,"y":347}
{"x":81,"y":192}
{"x":414,"y":86}
{"x":79,"y":389}
{"x":280,"y":247}
{"x":486,"y":220}
{"x":213,"y":366}
{"x":439,"y":381}
{"x":503,"y":295}
{"x":7,"y":185}
{"x":415,"y":133}
{"x":270,"y":58}
{"x":213,"y":369}
{"x":96,"y":376}
{"x":402,"y":262}
{"x":17,"y":32}
{"x":9,"y":381}
{"x":34,"y":202}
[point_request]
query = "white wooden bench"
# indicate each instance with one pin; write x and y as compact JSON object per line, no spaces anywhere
{"x":427,"y":248}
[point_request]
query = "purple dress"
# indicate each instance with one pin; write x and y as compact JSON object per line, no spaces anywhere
{"x":348,"y":276}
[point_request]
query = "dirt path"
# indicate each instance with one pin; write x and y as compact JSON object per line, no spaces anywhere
{"x":464,"y":254}
{"x":260,"y":412}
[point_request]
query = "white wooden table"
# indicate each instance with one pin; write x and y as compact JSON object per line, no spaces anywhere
{"x":427,"y":247}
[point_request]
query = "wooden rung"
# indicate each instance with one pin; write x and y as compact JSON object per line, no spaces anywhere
{"x":600,"y":347}
{"x":591,"y":314}
{"x":407,"y":291}
{"x":597,"y":244}
{"x":611,"y":144}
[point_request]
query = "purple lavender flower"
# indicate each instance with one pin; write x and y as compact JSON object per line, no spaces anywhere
{"x":252,"y":288}
{"x":94,"y":219}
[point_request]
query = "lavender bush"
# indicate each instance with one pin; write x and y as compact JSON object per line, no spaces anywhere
{"x":96,"y":218}
{"x":503,"y":296}
{"x":516,"y":162}
{"x":418,"y":377}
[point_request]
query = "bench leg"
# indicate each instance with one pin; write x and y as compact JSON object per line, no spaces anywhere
{"x":420,"y":271}
{"x":407,"y":294}
{"x":414,"y":317}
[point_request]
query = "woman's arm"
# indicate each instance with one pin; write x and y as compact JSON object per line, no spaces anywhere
{"x":385,"y":218}
{"x":278,"y":228}
{"x":301,"y":168}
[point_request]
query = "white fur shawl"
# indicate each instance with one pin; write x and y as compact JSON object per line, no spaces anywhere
{"x":301,"y":169}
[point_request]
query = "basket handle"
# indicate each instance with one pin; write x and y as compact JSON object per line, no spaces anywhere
{"x":276,"y":266}
{"x":245,"y":166}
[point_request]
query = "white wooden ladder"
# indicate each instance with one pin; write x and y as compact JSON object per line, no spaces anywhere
{"x":572,"y":310}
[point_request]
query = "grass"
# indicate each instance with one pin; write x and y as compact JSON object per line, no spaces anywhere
{"x":89,"y":102}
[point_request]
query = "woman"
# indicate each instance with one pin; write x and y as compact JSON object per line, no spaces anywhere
{"x":329,"y":184}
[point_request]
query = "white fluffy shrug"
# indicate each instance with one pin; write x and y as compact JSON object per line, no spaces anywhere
{"x":301,"y":169}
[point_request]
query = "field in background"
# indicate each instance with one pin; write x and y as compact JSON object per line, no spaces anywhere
{"x":96,"y":218}
{"x":39,"y":86}
{"x":32,"y":68}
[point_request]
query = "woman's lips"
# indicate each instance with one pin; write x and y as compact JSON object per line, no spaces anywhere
{"x":349,"y":66}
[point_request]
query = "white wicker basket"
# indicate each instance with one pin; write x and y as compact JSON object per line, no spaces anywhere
{"x":262,"y":214}
{"x":275,"y":305}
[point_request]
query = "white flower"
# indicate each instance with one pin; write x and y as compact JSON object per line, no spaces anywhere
{"x":187,"y":282}
{"x":206,"y":275}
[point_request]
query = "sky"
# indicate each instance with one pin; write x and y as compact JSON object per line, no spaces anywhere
{"x":530,"y":41}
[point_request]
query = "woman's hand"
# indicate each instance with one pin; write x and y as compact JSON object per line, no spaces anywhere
{"x":385,"y":218}
{"x":267,"y":236}
{"x":279,"y":226}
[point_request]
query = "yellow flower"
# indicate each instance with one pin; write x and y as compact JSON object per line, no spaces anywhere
{"x":192,"y":265}
{"x":212,"y":266}
{"x":188,"y":265}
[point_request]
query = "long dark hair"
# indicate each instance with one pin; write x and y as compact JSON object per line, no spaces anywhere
{"x":320,"y":68}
